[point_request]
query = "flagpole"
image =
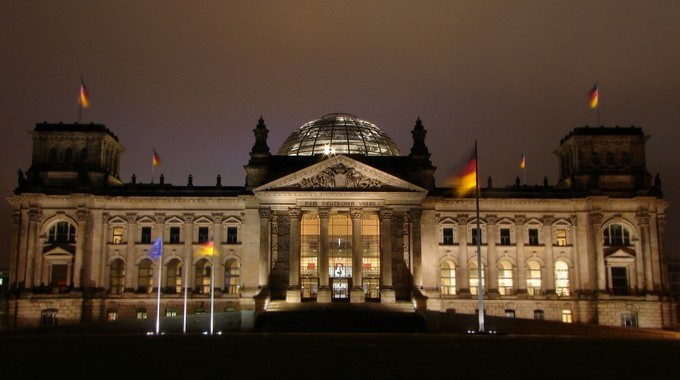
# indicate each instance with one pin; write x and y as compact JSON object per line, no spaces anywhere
{"x":186,"y":290}
{"x":212,"y":289}
{"x":158,"y":301}
{"x":480,"y":286}
{"x":524,"y":168}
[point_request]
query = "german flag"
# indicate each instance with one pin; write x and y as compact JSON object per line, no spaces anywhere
{"x":594,"y":96}
{"x":465,"y":179}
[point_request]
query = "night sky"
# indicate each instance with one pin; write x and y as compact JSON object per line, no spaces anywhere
{"x":190,"y":79}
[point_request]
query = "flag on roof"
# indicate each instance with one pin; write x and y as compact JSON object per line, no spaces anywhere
{"x":522,"y":161}
{"x":155,"y":159}
{"x":465,"y":179}
{"x":594,"y":96}
{"x":84,"y":98}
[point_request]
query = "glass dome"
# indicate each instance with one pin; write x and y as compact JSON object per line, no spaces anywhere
{"x":338,"y":133}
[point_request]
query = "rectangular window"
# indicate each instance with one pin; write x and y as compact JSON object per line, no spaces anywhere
{"x":232,"y":235}
{"x":629,"y":320}
{"x":117,"y":235}
{"x":505,"y":236}
{"x":203,"y":233}
{"x":561,"y":235}
{"x":447,"y":236}
{"x":474,"y":234}
{"x":566,"y":316}
{"x":619,"y":281}
{"x":141,"y":313}
{"x":509,"y":313}
{"x":533,"y":236}
{"x":174,"y":235}
{"x":111,"y":315}
{"x":539,"y":315}
{"x":146,"y":235}
{"x":170,"y":312}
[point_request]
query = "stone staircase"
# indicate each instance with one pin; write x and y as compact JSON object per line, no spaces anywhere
{"x":281,"y":316}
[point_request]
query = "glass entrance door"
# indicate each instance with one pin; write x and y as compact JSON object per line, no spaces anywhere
{"x":340,"y":288}
{"x":310,"y":287}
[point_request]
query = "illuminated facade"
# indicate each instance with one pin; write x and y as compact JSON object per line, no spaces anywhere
{"x":338,"y":215}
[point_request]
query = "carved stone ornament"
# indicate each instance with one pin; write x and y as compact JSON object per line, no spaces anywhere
{"x":339,"y":177}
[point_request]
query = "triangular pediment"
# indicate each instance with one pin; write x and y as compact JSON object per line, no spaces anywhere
{"x":340,"y":173}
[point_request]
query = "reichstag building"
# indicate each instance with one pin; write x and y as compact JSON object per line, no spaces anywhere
{"x":337,"y":214}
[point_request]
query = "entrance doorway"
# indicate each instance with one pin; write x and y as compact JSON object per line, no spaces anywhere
{"x":310,"y":287}
{"x":340,"y":288}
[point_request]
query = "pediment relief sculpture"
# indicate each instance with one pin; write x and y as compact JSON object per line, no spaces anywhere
{"x":339,"y":176}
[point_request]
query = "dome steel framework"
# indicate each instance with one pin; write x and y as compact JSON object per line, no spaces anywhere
{"x":338,"y":133}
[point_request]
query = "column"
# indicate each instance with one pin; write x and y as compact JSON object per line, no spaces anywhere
{"x":265,"y":234}
{"x":357,"y":291}
{"x":492,"y":256}
{"x":219,"y":254}
{"x":643,"y":224}
{"x":549,"y":284}
{"x":597,"y":261}
{"x":14,"y":250}
{"x":32,"y":238}
{"x":416,"y":253}
{"x":463,"y":273}
{"x":158,"y":231}
{"x":82,"y":271}
{"x":130,"y":252}
{"x":519,"y":239}
{"x":387,"y":294}
{"x":324,"y":293}
{"x":293,"y":293}
{"x":102,"y":277}
{"x":188,"y":268}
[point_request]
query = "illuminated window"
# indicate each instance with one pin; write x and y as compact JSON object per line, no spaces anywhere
{"x":145,"y":276}
{"x":566,"y":316}
{"x":562,"y":286}
{"x":474,"y":278}
{"x":141,"y":313}
{"x":447,"y":278}
{"x":505,"y":284}
{"x":561,"y":235}
{"x":173,"y":278}
{"x":533,"y":278}
{"x":509,"y":313}
{"x":117,"y":235}
{"x":117,"y":277}
{"x":232,"y":276}
{"x":203,"y":272}
{"x":170,"y":312}
{"x":111,"y":315}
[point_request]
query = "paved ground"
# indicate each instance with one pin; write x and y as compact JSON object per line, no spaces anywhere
{"x":519,"y":350}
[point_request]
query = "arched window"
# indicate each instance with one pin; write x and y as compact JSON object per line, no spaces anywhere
{"x":447,"y":278}
{"x":203,"y":273}
{"x":68,"y":155}
{"x":474,"y":278}
{"x":533,"y":278}
{"x":610,"y":159}
{"x":594,"y":158}
{"x":616,"y":235}
{"x":232,"y":276}
{"x":145,"y":276}
{"x":505,"y":284}
{"x":173,"y":279}
{"x":62,"y":233}
{"x":562,"y":286}
{"x":117,"y":277}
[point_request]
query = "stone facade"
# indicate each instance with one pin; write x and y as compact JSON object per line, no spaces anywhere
{"x":338,"y":228}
